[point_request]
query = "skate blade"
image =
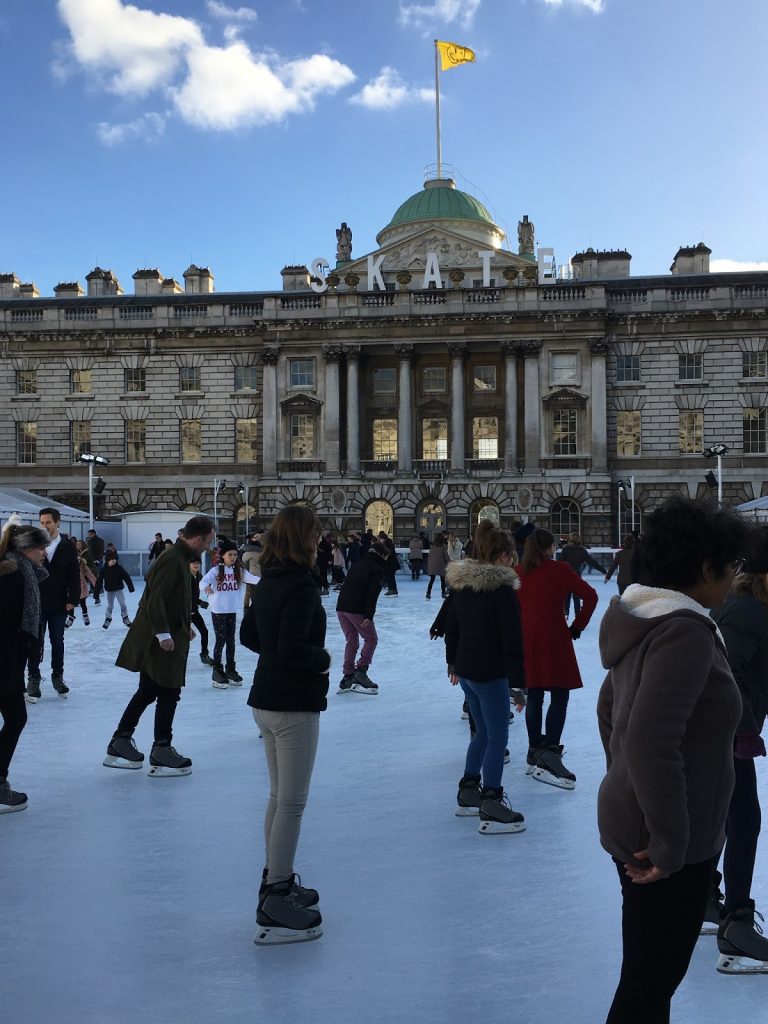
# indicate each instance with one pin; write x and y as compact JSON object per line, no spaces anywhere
{"x":708,"y":929}
{"x":159,"y":771}
{"x":31,"y":700}
{"x":530,"y":769}
{"x":552,"y":780}
{"x":497,"y":828}
{"x":732,"y":964}
{"x":234,"y":682}
{"x":110,"y":761}
{"x":464,"y":716}
{"x":273,"y":936}
{"x":357,"y":688}
{"x":467,"y":812}
{"x":220,"y":686}
{"x":6,"y":809}
{"x":62,"y":695}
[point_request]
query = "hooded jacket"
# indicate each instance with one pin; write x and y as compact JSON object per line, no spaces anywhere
{"x":360,"y":590}
{"x":743,"y":622}
{"x":483,"y":634}
{"x":667,"y":712}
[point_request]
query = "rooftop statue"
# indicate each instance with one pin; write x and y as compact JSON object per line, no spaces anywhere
{"x":343,"y":243}
{"x":525,"y":231}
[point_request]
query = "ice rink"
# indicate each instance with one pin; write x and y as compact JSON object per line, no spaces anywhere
{"x":127,"y":899}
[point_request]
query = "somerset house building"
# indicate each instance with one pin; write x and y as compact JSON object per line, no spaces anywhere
{"x":442,"y":378}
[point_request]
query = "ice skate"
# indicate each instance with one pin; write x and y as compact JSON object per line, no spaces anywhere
{"x":549,"y":768}
{"x":59,"y":685}
{"x":469,"y":797}
{"x":233,"y":677}
{"x":465,"y":712}
{"x":32,"y":695}
{"x":206,"y":659}
{"x":345,"y":685}
{"x":530,"y":761}
{"x":741,"y":939}
{"x":496,"y":814}
{"x":281,"y":918}
{"x":362,"y":683}
{"x":86,"y":619}
{"x":713,"y":915}
{"x":107,"y":622}
{"x":165,"y":761}
{"x":10,"y":800}
{"x":219,"y":677}
{"x":126,"y":620}
{"x":308,"y":898}
{"x":506,"y":755}
{"x":122,"y":753}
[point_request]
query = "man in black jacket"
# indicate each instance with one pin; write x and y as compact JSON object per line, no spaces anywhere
{"x":59,"y":594}
{"x":355,"y":609}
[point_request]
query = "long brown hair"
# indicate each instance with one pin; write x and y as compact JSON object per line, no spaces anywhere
{"x":292,"y":537}
{"x":222,"y":571}
{"x":536,"y":548}
{"x":492,"y":545}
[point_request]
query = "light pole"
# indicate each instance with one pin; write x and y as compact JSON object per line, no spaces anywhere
{"x":620,"y":486}
{"x":91,"y":460}
{"x":218,"y":485}
{"x":717,"y":451}
{"x":632,"y":498}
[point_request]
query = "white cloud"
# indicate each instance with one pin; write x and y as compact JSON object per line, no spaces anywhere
{"x":736,"y":266}
{"x":596,"y":6}
{"x":447,"y":11}
{"x":219,"y":10}
{"x":145,"y":128}
{"x":387,"y":91}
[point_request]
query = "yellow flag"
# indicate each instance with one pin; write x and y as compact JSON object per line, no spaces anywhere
{"x":451,"y":54}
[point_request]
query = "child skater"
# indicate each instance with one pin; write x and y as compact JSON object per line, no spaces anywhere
{"x":197,"y":619}
{"x":111,"y":579}
{"x":224,"y":583}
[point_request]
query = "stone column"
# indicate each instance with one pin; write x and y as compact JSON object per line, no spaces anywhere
{"x":404,"y":414}
{"x":269,"y":411}
{"x":510,"y":350}
{"x":353,"y":408}
{"x":332,"y":355}
{"x":598,"y":348}
{"x":457,"y":353}
{"x":531,"y":351}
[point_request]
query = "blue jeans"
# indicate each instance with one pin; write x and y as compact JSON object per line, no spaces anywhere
{"x":489,"y":707}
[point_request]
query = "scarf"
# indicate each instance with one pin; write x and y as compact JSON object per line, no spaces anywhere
{"x":32,"y":576}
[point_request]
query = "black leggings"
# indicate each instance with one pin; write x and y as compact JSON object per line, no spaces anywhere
{"x":742,"y":830}
{"x":13,"y":708}
{"x":199,"y":623}
{"x":149,"y":691}
{"x":556,"y":712}
{"x":432,"y":583}
{"x":224,"y":628}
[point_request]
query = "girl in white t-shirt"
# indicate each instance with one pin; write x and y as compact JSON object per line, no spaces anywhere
{"x":224,"y":584}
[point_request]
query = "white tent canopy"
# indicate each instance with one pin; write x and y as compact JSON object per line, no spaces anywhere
{"x":27,"y":506}
{"x":756,"y":505}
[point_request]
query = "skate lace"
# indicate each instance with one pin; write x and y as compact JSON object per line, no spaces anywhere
{"x":758,"y":929}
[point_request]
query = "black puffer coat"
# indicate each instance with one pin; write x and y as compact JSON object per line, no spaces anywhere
{"x":743,"y":621}
{"x":360,"y":590}
{"x":13,"y":643}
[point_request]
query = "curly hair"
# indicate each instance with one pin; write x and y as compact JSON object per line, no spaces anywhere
{"x":684,"y":533}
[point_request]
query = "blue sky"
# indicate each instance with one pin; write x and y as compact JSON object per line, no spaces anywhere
{"x":165,"y":132}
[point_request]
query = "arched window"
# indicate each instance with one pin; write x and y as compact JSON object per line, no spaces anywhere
{"x":380,"y":516}
{"x":483,"y":509}
{"x":431,"y":519}
{"x":564,"y":517}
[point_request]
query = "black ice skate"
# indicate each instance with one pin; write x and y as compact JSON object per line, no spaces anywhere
{"x":345,"y":686}
{"x":469,"y":797}
{"x":496,"y":814}
{"x":362,"y":683}
{"x":549,"y":767}
{"x":59,"y":685}
{"x":126,"y":620}
{"x":219,"y":677}
{"x":33,"y":689}
{"x":465,"y":712}
{"x":713,"y":915}
{"x":122,"y":753}
{"x":165,"y":761}
{"x":206,"y":659}
{"x":281,"y":918}
{"x":530,"y":761}
{"x":308,"y":898}
{"x":10,"y":800}
{"x":741,"y":938}
{"x":233,"y":676}
{"x":86,"y":619}
{"x":107,"y":622}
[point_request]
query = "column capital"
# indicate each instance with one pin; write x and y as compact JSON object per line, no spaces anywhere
{"x":509,"y":347}
{"x":405,"y":352}
{"x":353,"y":351}
{"x":457,"y":349}
{"x":332,"y":353}
{"x":530,"y":348}
{"x":269,"y":355}
{"x":599,"y":346}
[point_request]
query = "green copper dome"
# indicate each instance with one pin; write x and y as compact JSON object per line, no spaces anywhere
{"x":440,"y":200}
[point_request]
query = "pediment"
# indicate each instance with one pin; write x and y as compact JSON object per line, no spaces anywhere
{"x":301,"y":403}
{"x":565,"y":397}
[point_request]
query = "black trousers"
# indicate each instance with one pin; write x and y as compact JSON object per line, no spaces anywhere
{"x":149,"y":691}
{"x":224,"y":628}
{"x":555,"y":723}
{"x":199,"y":623}
{"x":432,"y":583}
{"x":742,"y":830}
{"x":660,"y":925}
{"x":13,"y":709}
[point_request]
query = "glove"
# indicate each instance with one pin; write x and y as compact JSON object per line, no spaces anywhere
{"x":749,"y":745}
{"x":575,"y":633}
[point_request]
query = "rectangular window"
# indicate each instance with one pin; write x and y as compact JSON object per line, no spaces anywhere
{"x":26,"y":382}
{"x":628,"y":432}
{"x":691,"y":432}
{"x":80,"y":431}
{"x":690,"y":366}
{"x":26,"y":443}
{"x":302,"y":436}
{"x":754,"y":364}
{"x":754,"y":428}
{"x":135,"y":440}
{"x":564,"y":368}
{"x":484,"y":378}
{"x":246,"y":433}
{"x":627,"y":369}
{"x":485,"y":437}
{"x":384,"y":440}
{"x":564,"y":431}
{"x":135,"y":380}
{"x":191,"y":440}
{"x":80,"y":382}
{"x":301,"y":373}
{"x":433,"y":380}
{"x":384,"y":381}
{"x":434,"y":439}
{"x":189,"y":378}
{"x":246,"y":378}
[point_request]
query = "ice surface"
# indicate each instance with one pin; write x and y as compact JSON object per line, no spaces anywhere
{"x":125,"y":899}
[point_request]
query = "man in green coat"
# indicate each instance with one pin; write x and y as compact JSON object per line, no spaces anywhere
{"x":156,"y":647}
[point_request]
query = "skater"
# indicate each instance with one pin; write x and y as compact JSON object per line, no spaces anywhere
{"x":415,"y":556}
{"x":285,"y":625}
{"x":156,"y":548}
{"x":22,"y":551}
{"x":354,"y":550}
{"x":324,"y":560}
{"x":437,"y":562}
{"x":392,"y":564}
{"x":550,"y":660}
{"x":454,"y":547}
{"x":224,"y":583}
{"x":88,"y":579}
{"x":250,"y":557}
{"x":355,"y":609}
{"x":156,"y":647}
{"x":338,"y":565}
{"x":743,"y":622}
{"x":484,"y":651}
{"x":197,"y":619}
{"x":112,"y":579}
{"x":574,"y":553}
{"x":668,"y":711}
{"x":622,"y":561}
{"x":59,"y":595}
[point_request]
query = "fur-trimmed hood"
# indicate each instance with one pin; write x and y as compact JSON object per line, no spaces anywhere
{"x":8,"y":565}
{"x":479,"y":576}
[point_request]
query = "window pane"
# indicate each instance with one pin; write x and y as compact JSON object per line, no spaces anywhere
{"x":245,"y":378}
{"x":485,"y":437}
{"x":135,"y":380}
{"x":690,"y":366}
{"x":627,"y":369}
{"x":191,"y":440}
{"x":754,"y":364}
{"x":301,"y":373}
{"x":384,"y":440}
{"x":484,"y":378}
{"x":189,"y":378}
{"x":379,"y":516}
{"x":26,"y":443}
{"x":691,"y":431}
{"x":26,"y":382}
{"x":135,"y":440}
{"x":754,"y":423}
{"x":81,"y":438}
{"x":628,"y":432}
{"x":564,"y":439}
{"x":80,"y":382}
{"x":434,"y":434}
{"x":434,"y":379}
{"x":302,"y":436}
{"x":564,"y":367}
{"x":246,"y":433}
{"x":564,"y":517}
{"x":384,"y":382}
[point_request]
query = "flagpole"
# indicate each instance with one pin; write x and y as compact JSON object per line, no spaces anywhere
{"x":437,"y":116}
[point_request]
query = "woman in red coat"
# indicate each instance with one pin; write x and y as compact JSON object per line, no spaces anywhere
{"x":550,"y":660}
